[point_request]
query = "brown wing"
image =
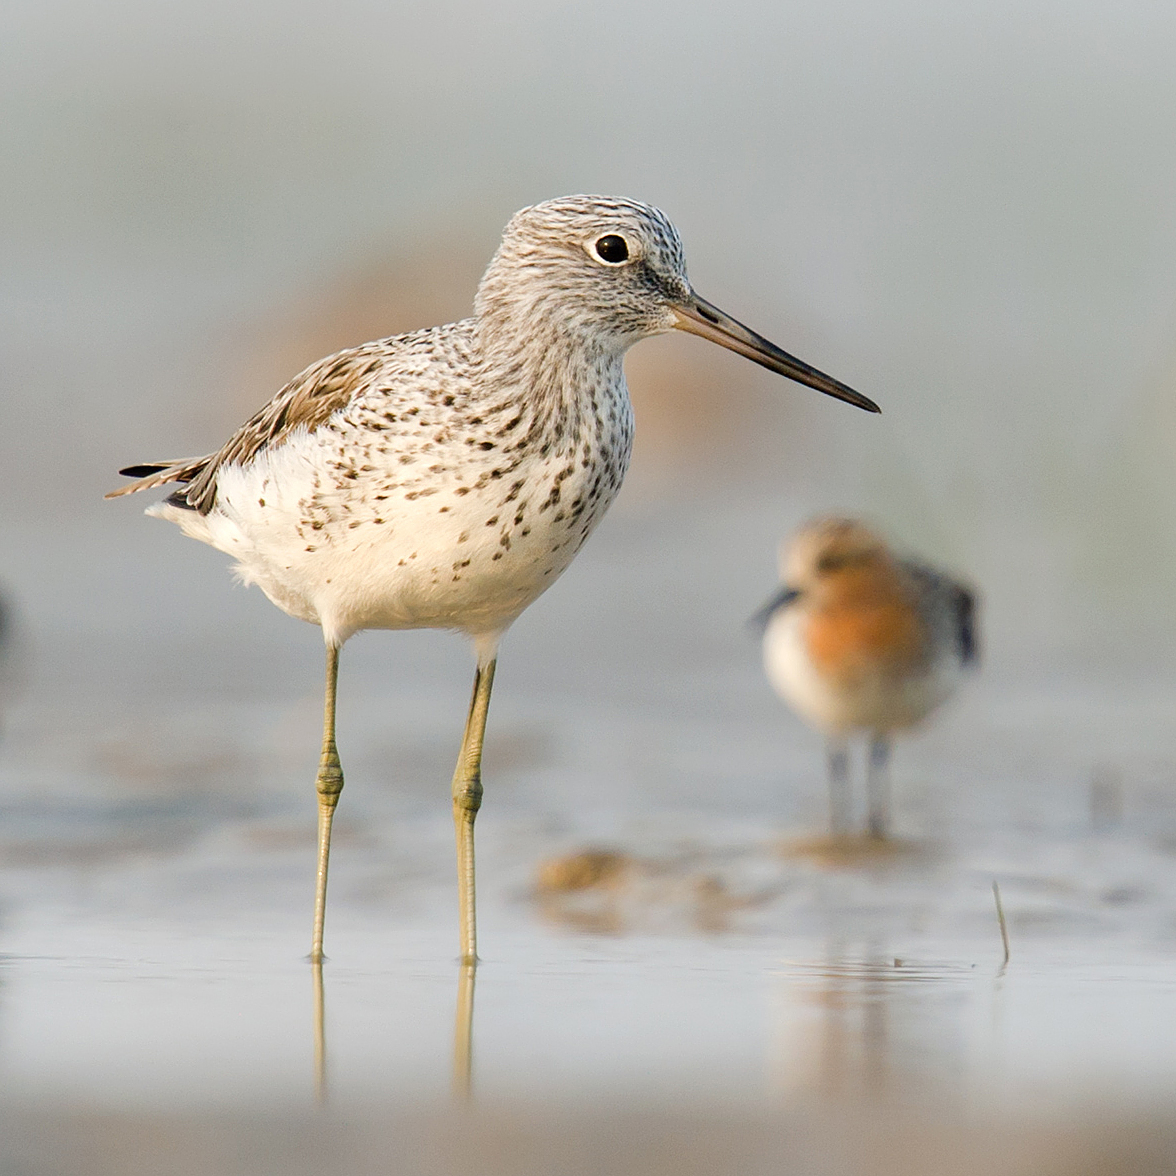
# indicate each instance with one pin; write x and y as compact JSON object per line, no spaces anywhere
{"x":306,"y":402}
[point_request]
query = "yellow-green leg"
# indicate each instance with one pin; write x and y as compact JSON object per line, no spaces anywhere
{"x":467,"y":799}
{"x":328,"y":783}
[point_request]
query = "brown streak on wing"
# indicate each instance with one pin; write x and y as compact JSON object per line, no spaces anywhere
{"x":309,"y":400}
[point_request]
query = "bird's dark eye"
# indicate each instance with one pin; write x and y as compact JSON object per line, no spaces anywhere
{"x":612,"y":249}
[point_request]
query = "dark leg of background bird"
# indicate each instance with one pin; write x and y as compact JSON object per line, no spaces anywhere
{"x":467,"y":799}
{"x":328,"y":783}
{"x":838,"y":757}
{"x":878,"y":785}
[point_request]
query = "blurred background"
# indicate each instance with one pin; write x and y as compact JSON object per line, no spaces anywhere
{"x":962,"y":210}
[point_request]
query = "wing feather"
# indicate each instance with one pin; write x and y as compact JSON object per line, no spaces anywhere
{"x":306,"y":402}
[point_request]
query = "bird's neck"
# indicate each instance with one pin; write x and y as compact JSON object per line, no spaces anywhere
{"x":547,"y":359}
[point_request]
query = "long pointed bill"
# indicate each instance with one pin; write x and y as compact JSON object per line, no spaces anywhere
{"x":698,"y":317}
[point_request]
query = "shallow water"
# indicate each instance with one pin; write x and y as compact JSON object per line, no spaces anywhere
{"x":732,"y":1003}
{"x":157,"y":867}
{"x":160,"y":1016}
{"x":156,"y":861}
{"x":733,"y":980}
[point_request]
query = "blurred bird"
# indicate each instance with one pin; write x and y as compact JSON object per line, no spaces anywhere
{"x":445,"y":478}
{"x":859,"y":640}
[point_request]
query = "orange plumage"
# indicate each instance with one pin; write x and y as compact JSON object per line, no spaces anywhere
{"x":859,"y":640}
{"x":865,"y":622}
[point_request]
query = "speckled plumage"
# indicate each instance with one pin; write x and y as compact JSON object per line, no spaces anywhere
{"x":423,"y":501}
{"x":445,"y":478}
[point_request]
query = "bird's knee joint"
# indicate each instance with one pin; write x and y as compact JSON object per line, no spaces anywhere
{"x":467,"y":795}
{"x":329,"y":781}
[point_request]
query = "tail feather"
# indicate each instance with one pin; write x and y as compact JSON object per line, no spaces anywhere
{"x":145,"y":471}
{"x":159,"y":473}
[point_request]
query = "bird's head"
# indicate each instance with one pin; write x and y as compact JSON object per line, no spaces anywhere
{"x":828,"y":549}
{"x":609,"y":272}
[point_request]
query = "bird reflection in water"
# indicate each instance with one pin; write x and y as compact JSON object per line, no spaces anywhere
{"x":320,"y":1034}
{"x":864,"y":1023}
{"x":463,"y":1032}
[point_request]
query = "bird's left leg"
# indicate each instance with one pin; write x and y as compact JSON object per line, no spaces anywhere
{"x":328,"y":784}
{"x":878,"y":785}
{"x":837,"y":755}
{"x":467,"y":799}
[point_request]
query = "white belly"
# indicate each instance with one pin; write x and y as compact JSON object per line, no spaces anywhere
{"x":348,"y":556}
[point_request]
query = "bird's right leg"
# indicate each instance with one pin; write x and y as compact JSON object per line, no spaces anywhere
{"x":838,"y":758}
{"x":878,"y":786}
{"x":467,"y":799}
{"x":328,"y":783}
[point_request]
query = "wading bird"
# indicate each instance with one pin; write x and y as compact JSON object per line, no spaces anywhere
{"x":445,"y":478}
{"x":858,"y":640}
